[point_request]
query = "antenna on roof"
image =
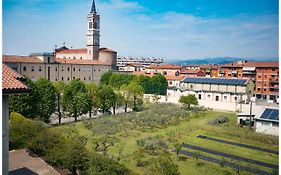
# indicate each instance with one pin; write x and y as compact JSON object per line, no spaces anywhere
{"x":63,"y":43}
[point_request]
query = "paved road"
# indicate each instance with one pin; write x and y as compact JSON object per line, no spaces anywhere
{"x":55,"y":120}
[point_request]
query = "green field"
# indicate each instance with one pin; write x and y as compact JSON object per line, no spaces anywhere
{"x":185,"y":131}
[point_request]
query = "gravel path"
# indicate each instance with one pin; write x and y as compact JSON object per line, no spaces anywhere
{"x":238,"y":144}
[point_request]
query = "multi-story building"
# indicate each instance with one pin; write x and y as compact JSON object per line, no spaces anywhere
{"x":121,"y":62}
{"x":264,"y":74}
{"x":86,"y":64}
{"x":164,"y":69}
{"x":57,"y":69}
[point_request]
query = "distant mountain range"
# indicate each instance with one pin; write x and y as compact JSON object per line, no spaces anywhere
{"x":219,"y":60}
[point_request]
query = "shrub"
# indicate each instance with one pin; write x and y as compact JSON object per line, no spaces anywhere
{"x":100,"y":165}
{"x":22,"y":130}
{"x":152,"y":145}
{"x":218,"y":120}
{"x":163,"y":166}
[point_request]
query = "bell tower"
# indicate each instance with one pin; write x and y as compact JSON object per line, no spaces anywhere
{"x":93,"y":34}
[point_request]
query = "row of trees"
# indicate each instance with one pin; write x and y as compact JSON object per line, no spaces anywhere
{"x":74,"y":99}
{"x":151,"y":85}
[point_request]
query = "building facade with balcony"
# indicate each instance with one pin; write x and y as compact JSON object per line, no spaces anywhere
{"x":265,"y":76}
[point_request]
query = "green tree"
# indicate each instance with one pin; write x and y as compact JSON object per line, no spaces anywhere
{"x":177,"y":148}
{"x":188,"y":100}
{"x":117,"y":80}
{"x":107,"y":97}
{"x":145,"y":82}
{"x":59,"y":89}
{"x":25,"y":104}
{"x":159,"y":84}
{"x":93,"y":94}
{"x":76,"y":100}
{"x":164,"y":165}
{"x":47,"y":102}
{"x":135,"y":91}
{"x":105,"y":78}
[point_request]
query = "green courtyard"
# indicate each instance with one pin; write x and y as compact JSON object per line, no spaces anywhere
{"x":136,"y":139}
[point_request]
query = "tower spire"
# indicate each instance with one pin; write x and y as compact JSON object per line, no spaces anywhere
{"x":93,"y":9}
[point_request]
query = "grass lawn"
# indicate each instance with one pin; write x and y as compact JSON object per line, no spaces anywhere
{"x":186,"y":132}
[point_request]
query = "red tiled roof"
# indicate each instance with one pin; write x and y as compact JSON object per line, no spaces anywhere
{"x":20,"y":59}
{"x":142,"y":73}
{"x":103,"y":49}
{"x":79,"y":61}
{"x":11,"y":82}
{"x":189,"y":71}
{"x":209,"y":66}
{"x":164,"y":66}
{"x":73,"y":51}
{"x":252,"y":64}
{"x":173,"y":77}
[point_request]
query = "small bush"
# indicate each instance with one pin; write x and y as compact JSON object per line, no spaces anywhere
{"x":22,"y":130}
{"x":153,"y":145}
{"x":219,"y":120}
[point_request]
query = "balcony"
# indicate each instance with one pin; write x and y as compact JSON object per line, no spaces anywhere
{"x":274,"y":80}
{"x":249,"y":73}
{"x":234,"y":72}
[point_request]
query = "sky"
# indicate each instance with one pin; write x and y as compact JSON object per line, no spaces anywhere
{"x":170,"y":29}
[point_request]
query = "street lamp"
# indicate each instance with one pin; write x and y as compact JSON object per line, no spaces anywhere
{"x":253,"y":99}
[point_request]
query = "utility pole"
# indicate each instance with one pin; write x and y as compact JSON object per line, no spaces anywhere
{"x":251,"y":114}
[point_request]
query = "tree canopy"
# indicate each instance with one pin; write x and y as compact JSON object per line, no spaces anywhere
{"x":188,"y":100}
{"x":26,"y":104}
{"x":46,"y":105}
{"x":76,"y":100}
{"x":107,"y":97}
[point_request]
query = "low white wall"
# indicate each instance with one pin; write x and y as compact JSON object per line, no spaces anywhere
{"x":267,"y":128}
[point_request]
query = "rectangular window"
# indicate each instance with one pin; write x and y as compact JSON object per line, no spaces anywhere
{"x":40,"y":69}
{"x":61,"y":78}
{"x":24,"y":68}
{"x":62,"y":69}
{"x":32,"y":68}
{"x":73,"y":78}
{"x":68,"y":69}
{"x":73,"y":69}
{"x":89,"y":77}
{"x":273,"y":69}
{"x":199,"y":96}
{"x":67,"y":78}
{"x":56,"y":69}
{"x":225,"y":97}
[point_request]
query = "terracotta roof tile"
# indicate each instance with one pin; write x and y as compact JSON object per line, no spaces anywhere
{"x":138,"y":73}
{"x":252,"y":64}
{"x":103,"y":49}
{"x":73,"y":51}
{"x":164,"y":66}
{"x":79,"y":61}
{"x":209,"y":66}
{"x":189,"y":71}
{"x":11,"y":82}
{"x":173,"y":77}
{"x":20,"y":59}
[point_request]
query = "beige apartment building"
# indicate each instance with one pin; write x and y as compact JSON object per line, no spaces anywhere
{"x":64,"y":64}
